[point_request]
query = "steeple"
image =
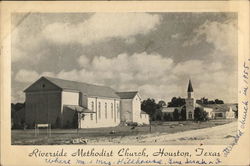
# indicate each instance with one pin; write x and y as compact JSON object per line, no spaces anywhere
{"x":190,"y":88}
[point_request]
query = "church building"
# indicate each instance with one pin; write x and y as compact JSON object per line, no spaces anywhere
{"x":190,"y":102}
{"x":71,"y":104}
{"x":214,"y":111}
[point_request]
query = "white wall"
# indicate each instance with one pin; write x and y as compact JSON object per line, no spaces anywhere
{"x":104,"y":117}
{"x":70,"y":98}
{"x":210,"y":112}
{"x":87,"y":122}
{"x":126,"y":110}
{"x":144,"y":118}
{"x":136,"y":107}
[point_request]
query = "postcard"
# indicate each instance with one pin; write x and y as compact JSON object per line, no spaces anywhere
{"x":124,"y":83}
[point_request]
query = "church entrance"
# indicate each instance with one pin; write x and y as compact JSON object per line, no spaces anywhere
{"x":190,"y":116}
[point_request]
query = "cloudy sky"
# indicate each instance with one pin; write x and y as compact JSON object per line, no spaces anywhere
{"x":155,"y":53}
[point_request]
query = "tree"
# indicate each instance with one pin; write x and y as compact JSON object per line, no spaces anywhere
{"x":183,"y":113}
{"x":236,"y":112}
{"x":176,"y":102}
{"x":217,"y":101}
{"x":176,"y":114}
{"x":149,"y":106}
{"x":200,"y":114}
{"x":167,"y":117}
{"x":162,"y":103}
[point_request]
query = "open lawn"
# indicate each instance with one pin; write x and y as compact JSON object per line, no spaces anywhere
{"x":112,"y":135}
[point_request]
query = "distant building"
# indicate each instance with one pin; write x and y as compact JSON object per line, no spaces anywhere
{"x":215,"y":111}
{"x":190,"y":102}
{"x":169,"y":112}
{"x":223,"y":111}
{"x":71,"y":104}
{"x":131,"y":108}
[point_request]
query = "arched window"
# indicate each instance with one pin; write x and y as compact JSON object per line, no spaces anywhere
{"x":112,"y":110}
{"x":118,"y":111}
{"x":92,"y":106}
{"x":190,"y":115}
{"x":106,"y":111}
{"x":99,"y":109}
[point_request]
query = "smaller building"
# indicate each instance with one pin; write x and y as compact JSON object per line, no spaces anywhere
{"x":223,"y":111}
{"x":209,"y":110}
{"x":131,"y":108}
{"x":168,"y":112}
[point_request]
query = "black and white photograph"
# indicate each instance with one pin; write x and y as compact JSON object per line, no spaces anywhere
{"x":124,"y":78}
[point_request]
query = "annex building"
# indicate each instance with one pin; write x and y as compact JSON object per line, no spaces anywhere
{"x":71,"y":104}
{"x":214,"y":111}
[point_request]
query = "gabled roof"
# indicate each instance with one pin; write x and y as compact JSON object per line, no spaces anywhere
{"x":170,"y":109}
{"x":85,"y":88}
{"x":219,"y":107}
{"x":127,"y":95}
{"x":190,"y":88}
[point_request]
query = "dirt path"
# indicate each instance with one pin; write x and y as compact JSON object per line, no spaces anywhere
{"x":219,"y":135}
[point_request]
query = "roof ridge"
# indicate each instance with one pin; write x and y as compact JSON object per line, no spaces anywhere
{"x":127,"y":92}
{"x":76,"y":82}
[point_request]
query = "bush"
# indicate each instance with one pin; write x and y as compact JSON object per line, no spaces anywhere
{"x":132,"y":124}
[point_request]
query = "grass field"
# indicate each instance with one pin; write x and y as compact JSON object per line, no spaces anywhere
{"x":97,"y":135}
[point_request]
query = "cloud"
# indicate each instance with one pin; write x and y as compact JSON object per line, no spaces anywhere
{"x":221,"y":35}
{"x":26,"y":76}
{"x":189,"y":67}
{"x":102,"y":26}
{"x":83,"y":61}
{"x":175,"y":36}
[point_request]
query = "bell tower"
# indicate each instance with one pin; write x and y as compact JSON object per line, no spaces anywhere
{"x":190,"y":102}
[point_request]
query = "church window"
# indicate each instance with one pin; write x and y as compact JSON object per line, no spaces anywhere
{"x":106,"y":114}
{"x":92,"y":106}
{"x":112,"y":111}
{"x":99,"y":109}
{"x":91,"y":116}
{"x":117,"y":106}
{"x":190,"y":115}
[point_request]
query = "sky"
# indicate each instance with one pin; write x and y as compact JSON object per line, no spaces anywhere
{"x":154,"y":53}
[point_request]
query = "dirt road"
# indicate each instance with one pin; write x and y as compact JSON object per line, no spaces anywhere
{"x":219,"y":135}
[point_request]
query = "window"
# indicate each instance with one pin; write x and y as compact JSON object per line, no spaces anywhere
{"x":220,"y":115}
{"x":140,"y":116}
{"x":117,"y":107}
{"x":99,"y":109}
{"x":91,"y":116}
{"x":106,"y":113}
{"x":190,"y":115}
{"x":43,"y":85}
{"x":112,"y":110}
{"x":92,"y":106}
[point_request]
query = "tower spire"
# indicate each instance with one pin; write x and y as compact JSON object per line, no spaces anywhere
{"x":190,"y":88}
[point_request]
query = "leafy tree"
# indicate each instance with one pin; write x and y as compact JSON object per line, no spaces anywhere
{"x":236,"y":112}
{"x":183,"y":113}
{"x":200,"y":114}
{"x":149,"y":106}
{"x":167,"y":117}
{"x":204,"y":100}
{"x":162,"y":103}
{"x":176,"y":114}
{"x":217,"y":101}
{"x":176,"y":102}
